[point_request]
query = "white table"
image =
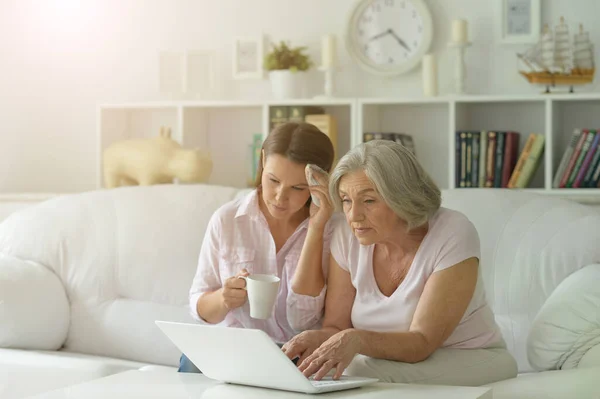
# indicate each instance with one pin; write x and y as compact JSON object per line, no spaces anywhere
{"x":173,"y":385}
{"x":18,"y":381}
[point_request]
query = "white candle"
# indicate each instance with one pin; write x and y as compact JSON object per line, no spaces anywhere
{"x":328,"y":51}
{"x":429,"y":75}
{"x":459,"y":31}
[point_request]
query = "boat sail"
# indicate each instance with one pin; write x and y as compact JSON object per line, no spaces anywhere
{"x":554,"y":60}
{"x":563,"y":52}
{"x":583,"y":52}
{"x":548,"y":51}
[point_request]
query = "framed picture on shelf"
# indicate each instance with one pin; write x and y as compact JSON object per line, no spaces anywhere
{"x":248,"y":55}
{"x":519,"y":21}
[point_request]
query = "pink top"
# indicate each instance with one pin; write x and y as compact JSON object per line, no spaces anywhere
{"x":451,"y":239}
{"x":238,"y":237}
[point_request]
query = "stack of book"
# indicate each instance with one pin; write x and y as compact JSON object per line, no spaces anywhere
{"x":580,"y":163}
{"x":401,"y":138}
{"x":492,"y":159}
{"x":297,"y":113}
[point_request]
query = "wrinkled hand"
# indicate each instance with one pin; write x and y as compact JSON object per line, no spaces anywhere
{"x":319,"y":215}
{"x":304,"y":344}
{"x":335,"y":353}
{"x":234,"y":291}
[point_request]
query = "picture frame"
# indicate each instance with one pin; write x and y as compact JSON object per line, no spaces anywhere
{"x":248,"y":56}
{"x":519,"y":21}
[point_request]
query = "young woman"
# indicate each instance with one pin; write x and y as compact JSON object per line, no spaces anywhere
{"x":275,"y":229}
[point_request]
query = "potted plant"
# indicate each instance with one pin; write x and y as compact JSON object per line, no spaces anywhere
{"x":287,"y":66}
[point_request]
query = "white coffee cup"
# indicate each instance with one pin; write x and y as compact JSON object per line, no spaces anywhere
{"x":262,"y":293}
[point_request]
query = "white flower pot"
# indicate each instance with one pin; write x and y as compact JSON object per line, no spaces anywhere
{"x":286,"y":84}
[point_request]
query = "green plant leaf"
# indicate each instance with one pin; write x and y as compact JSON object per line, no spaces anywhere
{"x":283,"y":56}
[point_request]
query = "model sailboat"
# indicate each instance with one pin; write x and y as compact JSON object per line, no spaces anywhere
{"x":555,"y":60}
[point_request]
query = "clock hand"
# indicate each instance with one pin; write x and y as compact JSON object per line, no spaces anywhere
{"x":380,"y":35}
{"x":402,"y":43}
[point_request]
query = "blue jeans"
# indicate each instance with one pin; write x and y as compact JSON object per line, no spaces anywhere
{"x":186,"y":365}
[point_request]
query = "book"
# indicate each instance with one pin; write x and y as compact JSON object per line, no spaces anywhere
{"x":278,"y":116}
{"x":298,"y":113}
{"x":457,"y":155}
{"x":463,"y":159}
{"x":483,"y":140}
{"x":595,"y":177}
{"x":475,"y":159}
{"x":562,"y":167}
{"x":491,"y":160}
{"x":532,"y":162}
{"x":579,"y":162}
{"x":586,"y":165}
{"x":511,"y":152}
{"x":500,"y":136}
{"x":407,"y":141}
{"x":512,"y":182}
{"x":255,"y":151}
{"x":565,"y":177}
{"x":469,"y":162}
{"x":400,"y":138}
{"x":384,"y":136}
{"x":328,"y":125}
{"x":587,"y":180}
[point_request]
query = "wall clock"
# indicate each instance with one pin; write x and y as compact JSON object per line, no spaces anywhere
{"x":389,"y":37}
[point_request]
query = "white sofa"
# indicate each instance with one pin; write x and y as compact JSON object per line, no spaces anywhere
{"x":83,"y":278}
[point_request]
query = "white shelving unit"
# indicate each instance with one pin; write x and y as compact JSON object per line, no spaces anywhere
{"x":223,"y":128}
{"x":226,"y":128}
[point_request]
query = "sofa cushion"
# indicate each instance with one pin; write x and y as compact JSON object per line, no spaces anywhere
{"x":101,"y":365}
{"x":34,"y":310}
{"x":591,"y":358}
{"x":529,"y":244}
{"x":126,"y":257}
{"x":568,"y":324}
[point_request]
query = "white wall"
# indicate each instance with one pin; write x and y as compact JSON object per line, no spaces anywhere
{"x":59,"y":58}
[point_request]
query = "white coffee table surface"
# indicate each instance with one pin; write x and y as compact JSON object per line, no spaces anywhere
{"x":173,"y":385}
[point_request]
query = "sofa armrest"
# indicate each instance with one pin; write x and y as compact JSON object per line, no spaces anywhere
{"x":567,"y":327}
{"x":591,"y":358}
{"x":34,"y":309}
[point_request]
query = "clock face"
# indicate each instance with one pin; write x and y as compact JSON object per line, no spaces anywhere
{"x":389,"y":37}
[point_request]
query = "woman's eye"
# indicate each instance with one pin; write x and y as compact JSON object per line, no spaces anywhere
{"x":298,"y":188}
{"x":369,"y":201}
{"x":274,"y":181}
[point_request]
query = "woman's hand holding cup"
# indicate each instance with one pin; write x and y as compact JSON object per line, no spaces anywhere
{"x":234,"y":290}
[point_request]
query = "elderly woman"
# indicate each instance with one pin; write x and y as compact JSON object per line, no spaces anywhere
{"x":405,"y":302}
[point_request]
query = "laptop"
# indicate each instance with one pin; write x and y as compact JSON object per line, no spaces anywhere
{"x":247,"y":357}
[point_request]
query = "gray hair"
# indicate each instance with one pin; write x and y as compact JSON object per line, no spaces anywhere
{"x":398,"y":177}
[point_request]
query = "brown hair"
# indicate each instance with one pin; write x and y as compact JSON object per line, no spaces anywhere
{"x":298,"y":142}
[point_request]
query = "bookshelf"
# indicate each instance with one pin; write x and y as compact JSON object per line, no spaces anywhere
{"x":226,"y":128}
{"x":223,"y":128}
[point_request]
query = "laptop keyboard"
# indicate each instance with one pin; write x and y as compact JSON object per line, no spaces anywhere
{"x":325,"y":381}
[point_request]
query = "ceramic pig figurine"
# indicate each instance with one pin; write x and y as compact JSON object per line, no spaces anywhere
{"x":156,"y":160}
